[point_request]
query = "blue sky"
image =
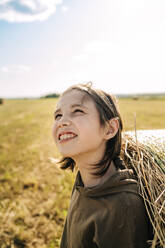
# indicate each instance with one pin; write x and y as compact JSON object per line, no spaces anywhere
{"x":48,"y":45}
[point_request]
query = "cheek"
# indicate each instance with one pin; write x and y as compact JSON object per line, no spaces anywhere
{"x":54,"y":128}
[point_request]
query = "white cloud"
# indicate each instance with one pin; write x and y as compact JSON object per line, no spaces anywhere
{"x":64,"y":9}
{"x":36,"y":10}
{"x":15,"y":69}
{"x":29,"y":3}
{"x":2,"y":2}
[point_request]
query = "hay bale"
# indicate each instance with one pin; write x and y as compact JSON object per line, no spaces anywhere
{"x":144,"y":152}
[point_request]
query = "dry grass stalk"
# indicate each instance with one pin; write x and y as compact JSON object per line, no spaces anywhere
{"x":148,"y":164}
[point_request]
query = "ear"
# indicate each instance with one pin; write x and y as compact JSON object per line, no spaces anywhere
{"x":111,"y":128}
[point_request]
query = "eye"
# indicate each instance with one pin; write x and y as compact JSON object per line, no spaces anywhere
{"x":78,"y":110}
{"x":56,"y":117}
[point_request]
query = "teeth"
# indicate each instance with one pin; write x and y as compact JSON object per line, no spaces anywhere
{"x":66,"y":136}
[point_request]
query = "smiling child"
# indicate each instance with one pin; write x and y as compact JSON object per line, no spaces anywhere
{"x":106,"y":208}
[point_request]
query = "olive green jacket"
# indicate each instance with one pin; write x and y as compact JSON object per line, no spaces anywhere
{"x":111,"y":215}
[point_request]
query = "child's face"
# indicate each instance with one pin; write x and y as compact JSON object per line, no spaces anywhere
{"x":77,"y":130}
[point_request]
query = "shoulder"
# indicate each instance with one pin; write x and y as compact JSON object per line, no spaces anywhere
{"x":128,"y":200}
{"x":130,"y":204}
{"x":125,"y":222}
{"x":121,"y":207}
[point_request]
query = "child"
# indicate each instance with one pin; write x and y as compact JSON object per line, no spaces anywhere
{"x":106,"y":209}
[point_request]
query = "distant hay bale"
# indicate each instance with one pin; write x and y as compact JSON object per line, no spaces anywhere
{"x":144,"y":152}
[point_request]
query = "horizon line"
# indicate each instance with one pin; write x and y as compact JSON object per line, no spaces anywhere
{"x":117,"y":95}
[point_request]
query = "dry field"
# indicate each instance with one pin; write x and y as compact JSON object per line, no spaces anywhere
{"x":34,"y":193}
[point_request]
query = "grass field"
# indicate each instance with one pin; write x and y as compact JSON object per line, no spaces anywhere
{"x":34,"y":193}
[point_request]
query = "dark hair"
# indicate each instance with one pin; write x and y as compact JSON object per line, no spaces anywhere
{"x":106,"y":105}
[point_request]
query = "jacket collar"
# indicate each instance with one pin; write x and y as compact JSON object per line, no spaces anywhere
{"x":118,"y":182}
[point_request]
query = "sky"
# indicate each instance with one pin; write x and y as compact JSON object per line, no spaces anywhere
{"x":48,"y":45}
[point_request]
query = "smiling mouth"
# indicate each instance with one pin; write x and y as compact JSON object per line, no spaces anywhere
{"x":67,"y":136}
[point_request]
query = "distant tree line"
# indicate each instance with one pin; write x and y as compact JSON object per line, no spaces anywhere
{"x":53,"y":95}
{"x":1,"y":101}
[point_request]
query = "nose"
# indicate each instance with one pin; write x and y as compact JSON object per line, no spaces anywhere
{"x":64,"y":122}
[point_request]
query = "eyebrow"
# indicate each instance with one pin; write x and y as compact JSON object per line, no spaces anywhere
{"x":72,"y":106}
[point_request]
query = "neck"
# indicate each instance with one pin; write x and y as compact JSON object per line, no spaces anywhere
{"x":86,"y":165}
{"x":91,"y":180}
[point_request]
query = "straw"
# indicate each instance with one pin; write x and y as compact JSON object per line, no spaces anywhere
{"x":147,"y":160}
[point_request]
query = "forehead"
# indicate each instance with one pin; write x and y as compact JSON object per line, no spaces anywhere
{"x":74,"y":97}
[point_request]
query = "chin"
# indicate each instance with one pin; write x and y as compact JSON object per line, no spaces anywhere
{"x":67,"y":154}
